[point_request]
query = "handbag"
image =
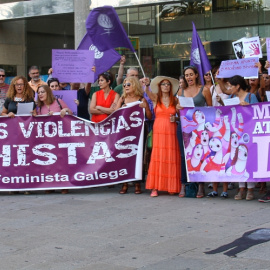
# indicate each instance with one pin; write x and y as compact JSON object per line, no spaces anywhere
{"x":191,"y":190}
{"x":149,"y":139}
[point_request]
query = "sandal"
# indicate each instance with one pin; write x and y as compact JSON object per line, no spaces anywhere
{"x":138,"y":188}
{"x":182,"y":193}
{"x":200,"y":193}
{"x":154,"y":193}
{"x":124,"y":189}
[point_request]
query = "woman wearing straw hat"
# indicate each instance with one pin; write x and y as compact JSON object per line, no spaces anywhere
{"x":164,"y":169}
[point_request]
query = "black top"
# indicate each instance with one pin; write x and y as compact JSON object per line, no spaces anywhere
{"x":11,"y":105}
{"x":83,"y":104}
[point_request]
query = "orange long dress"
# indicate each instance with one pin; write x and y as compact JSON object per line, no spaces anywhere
{"x":101,"y":101}
{"x":165,"y":164}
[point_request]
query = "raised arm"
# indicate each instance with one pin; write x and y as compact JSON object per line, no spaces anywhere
{"x":150,"y":94}
{"x":119,"y":79}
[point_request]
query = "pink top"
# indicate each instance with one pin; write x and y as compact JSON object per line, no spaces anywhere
{"x":54,"y":107}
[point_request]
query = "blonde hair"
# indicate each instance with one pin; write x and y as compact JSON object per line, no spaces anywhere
{"x":28,"y":92}
{"x":135,"y":83}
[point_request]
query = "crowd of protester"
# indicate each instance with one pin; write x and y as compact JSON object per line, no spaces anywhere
{"x":165,"y":163}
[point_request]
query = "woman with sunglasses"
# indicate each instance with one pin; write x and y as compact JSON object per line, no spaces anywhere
{"x":133,"y":92}
{"x":207,"y":79}
{"x":103,"y":102}
{"x":201,"y":97}
{"x":164,"y":169}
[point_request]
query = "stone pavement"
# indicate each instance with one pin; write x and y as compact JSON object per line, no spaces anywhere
{"x":100,"y":229}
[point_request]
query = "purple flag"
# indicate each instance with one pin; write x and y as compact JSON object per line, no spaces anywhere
{"x":106,"y":30}
{"x":103,"y":60}
{"x":198,"y":57}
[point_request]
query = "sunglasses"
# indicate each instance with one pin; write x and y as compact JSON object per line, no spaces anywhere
{"x":127,"y":84}
{"x":2,"y":75}
{"x":207,"y":74}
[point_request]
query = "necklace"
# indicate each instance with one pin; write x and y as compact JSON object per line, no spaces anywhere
{"x":166,"y":101}
{"x":17,"y":99}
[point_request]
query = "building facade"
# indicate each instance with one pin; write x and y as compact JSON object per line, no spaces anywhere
{"x":29,"y":30}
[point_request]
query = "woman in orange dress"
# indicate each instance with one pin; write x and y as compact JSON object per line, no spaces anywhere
{"x":103,"y":102}
{"x":165,"y":165}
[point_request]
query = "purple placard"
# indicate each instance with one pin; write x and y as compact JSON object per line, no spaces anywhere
{"x":73,"y":65}
{"x":244,"y":67}
{"x":50,"y":152}
{"x":268,"y":51}
{"x":227,"y":144}
{"x":69,"y":97}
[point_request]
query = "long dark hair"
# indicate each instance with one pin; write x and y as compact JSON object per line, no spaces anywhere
{"x":195,"y":71}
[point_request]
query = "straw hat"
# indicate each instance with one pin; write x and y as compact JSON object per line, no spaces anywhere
{"x":158,"y":79}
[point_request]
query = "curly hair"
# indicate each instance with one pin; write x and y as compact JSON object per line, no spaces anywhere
{"x":28,"y":92}
{"x":50,"y":97}
{"x":135,"y":83}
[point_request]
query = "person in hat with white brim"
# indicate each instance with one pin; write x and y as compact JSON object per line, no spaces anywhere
{"x":164,"y":169}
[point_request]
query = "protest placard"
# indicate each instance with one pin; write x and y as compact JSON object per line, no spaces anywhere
{"x":73,"y":65}
{"x":268,"y":51}
{"x":244,"y":67}
{"x":69,"y":97}
{"x":252,"y":47}
{"x":247,"y":47}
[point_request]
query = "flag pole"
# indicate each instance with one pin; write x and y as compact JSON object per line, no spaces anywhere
{"x":139,"y":64}
{"x":213,"y":81}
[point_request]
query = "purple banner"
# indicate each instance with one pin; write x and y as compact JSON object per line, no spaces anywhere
{"x":73,"y":65}
{"x":69,"y":97}
{"x":244,"y":67}
{"x":227,"y":144}
{"x":50,"y":152}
